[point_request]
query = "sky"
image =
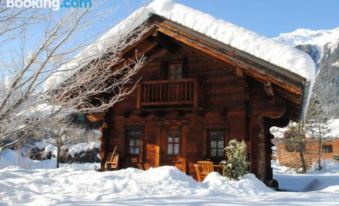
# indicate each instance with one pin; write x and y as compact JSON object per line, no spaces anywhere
{"x":265,"y":17}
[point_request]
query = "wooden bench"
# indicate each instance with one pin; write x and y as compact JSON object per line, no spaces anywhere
{"x":112,"y":160}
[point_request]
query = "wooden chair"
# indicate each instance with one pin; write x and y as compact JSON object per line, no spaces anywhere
{"x":203,"y":168}
{"x":112,"y":160}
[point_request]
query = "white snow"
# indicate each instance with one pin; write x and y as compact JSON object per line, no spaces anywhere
{"x":314,"y":37}
{"x":12,"y":158}
{"x":276,"y":53}
{"x":332,"y":125}
{"x":44,"y":110}
{"x":41,"y":144}
{"x":73,"y":149}
{"x":80,"y":184}
{"x":326,"y":181}
{"x":51,"y":148}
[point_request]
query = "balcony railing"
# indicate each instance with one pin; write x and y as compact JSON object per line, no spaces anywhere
{"x":183,"y":92}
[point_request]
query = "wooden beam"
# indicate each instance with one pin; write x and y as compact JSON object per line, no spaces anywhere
{"x":239,"y":72}
{"x":268,"y":89}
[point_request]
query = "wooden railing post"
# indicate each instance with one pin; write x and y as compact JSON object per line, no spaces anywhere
{"x":195,"y":94}
{"x":183,"y":92}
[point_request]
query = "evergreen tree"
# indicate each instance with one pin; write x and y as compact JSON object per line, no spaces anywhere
{"x":316,"y":124}
{"x":294,"y":141}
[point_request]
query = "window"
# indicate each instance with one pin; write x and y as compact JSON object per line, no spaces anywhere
{"x":174,"y":70}
{"x":327,"y":148}
{"x":216,"y":143}
{"x":134,"y":142}
{"x":173,"y":142}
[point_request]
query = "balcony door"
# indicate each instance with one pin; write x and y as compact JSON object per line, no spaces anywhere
{"x":174,"y":72}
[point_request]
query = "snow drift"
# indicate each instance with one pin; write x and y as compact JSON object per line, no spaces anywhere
{"x":64,"y":185}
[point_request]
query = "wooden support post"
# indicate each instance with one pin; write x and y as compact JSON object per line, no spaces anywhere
{"x":139,"y":90}
{"x":104,"y":139}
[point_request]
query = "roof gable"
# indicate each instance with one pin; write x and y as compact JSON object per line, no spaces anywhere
{"x":279,"y":57}
{"x":288,"y":85}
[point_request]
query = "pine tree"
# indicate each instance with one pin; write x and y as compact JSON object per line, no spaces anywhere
{"x":237,"y":163}
{"x":316,"y":124}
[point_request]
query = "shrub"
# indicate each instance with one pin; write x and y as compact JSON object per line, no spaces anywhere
{"x":236,"y":164}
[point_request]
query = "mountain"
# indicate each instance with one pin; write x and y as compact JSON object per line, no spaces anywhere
{"x":323,"y":47}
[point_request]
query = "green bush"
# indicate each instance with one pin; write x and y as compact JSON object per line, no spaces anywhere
{"x":236,"y":164}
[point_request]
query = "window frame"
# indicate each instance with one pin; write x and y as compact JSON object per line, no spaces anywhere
{"x":174,"y":70}
{"x":134,"y":138}
{"x":165,"y":69}
{"x":217,"y":148}
{"x":172,"y":152}
{"x":327,"y":148}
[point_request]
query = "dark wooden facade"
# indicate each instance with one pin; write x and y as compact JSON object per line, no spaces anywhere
{"x":196,"y":94}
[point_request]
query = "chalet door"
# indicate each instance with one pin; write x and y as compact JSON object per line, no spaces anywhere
{"x":172,"y":148}
{"x":135,"y":145}
{"x":152,"y":155}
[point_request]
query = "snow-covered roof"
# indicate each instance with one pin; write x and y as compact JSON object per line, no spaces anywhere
{"x":272,"y":51}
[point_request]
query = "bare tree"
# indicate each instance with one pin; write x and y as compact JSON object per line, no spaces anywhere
{"x":92,"y":81}
{"x":59,"y":134}
{"x":294,"y":141}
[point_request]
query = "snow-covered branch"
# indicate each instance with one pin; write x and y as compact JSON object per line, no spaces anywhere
{"x":30,"y":94}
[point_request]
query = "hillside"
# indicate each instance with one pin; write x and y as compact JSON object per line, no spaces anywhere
{"x":323,"y":47}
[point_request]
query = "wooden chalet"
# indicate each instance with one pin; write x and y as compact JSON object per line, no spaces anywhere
{"x":196,"y":94}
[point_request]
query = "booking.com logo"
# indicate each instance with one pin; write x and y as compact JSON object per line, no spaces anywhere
{"x":55,"y":5}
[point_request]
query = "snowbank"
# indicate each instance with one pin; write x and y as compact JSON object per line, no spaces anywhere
{"x":248,"y":185}
{"x":63,"y":185}
{"x":12,"y":158}
{"x":280,"y":169}
{"x":82,"y":147}
{"x":270,"y":50}
{"x":79,"y":184}
{"x":40,"y":185}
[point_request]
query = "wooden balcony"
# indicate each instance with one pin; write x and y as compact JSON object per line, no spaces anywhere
{"x":168,"y":93}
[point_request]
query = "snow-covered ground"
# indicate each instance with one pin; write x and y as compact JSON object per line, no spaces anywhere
{"x":325,"y":181}
{"x":80,"y":184}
